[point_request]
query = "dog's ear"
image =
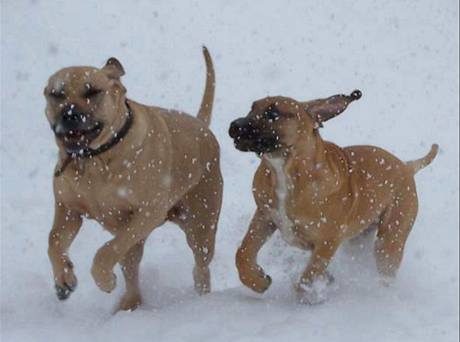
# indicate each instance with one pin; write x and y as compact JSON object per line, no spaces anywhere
{"x":324,"y":109}
{"x":114,"y":68}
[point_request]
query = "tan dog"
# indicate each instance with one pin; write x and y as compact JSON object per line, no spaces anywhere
{"x":130,"y":167}
{"x":318,"y":194}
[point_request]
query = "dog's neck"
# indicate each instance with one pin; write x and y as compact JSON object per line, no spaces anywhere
{"x":311,"y":162}
{"x":309,"y":150}
{"x":117,"y":126}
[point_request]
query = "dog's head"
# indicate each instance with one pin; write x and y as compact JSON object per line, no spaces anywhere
{"x":83,"y":104}
{"x":275,"y":123}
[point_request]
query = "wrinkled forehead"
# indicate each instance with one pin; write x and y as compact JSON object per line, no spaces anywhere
{"x":280,"y":103}
{"x":75,"y":78}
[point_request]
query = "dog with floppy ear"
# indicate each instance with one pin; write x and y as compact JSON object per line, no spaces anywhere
{"x":130,"y":167}
{"x":318,"y":194}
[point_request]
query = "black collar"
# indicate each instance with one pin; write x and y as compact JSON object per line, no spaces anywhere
{"x":89,"y":152}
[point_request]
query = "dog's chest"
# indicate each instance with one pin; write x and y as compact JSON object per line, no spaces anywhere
{"x":94,"y":196}
{"x":279,"y":213}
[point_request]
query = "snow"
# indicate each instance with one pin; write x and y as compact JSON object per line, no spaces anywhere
{"x":402,"y":55}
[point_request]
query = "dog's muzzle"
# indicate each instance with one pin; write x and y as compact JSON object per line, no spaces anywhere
{"x":76,"y":128}
{"x":248,"y":137}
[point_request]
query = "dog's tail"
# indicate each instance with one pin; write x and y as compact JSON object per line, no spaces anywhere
{"x":204,"y":113}
{"x":417,"y":165}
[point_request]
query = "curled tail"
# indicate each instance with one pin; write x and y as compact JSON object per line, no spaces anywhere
{"x":204,"y":114}
{"x":417,"y":165}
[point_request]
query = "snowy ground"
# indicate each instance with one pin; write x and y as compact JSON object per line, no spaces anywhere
{"x":402,"y":55}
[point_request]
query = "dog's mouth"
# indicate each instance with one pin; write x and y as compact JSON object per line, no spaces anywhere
{"x":259,"y":145}
{"x":77,"y":137}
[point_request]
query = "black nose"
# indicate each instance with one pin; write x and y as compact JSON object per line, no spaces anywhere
{"x":72,"y":118}
{"x":238,"y":127}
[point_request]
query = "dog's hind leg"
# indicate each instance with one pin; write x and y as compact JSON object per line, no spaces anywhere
{"x":394,"y":228}
{"x":130,"y":268}
{"x":197,"y":214}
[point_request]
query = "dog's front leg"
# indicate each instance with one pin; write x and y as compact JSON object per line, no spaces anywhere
{"x":113,"y":251}
{"x":251,"y":274}
{"x":66,"y":225}
{"x":313,"y":283}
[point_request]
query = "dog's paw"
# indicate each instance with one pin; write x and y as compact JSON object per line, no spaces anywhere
{"x":129,"y":302}
{"x":105,"y":279}
{"x":201,"y":278}
{"x":315,"y":291}
{"x":387,"y":281}
{"x":65,"y":283}
{"x":263,"y":284}
{"x":257,"y":281}
{"x":63,"y":292}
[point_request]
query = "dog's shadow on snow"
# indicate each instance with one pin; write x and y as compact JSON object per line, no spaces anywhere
{"x":158,"y":295}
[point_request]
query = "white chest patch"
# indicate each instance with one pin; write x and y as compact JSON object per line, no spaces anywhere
{"x":279,"y":216}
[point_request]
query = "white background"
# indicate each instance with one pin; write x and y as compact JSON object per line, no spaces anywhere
{"x":403,"y":55}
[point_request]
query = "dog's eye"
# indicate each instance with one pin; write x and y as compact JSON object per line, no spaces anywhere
{"x":91,"y":92}
{"x":57,"y":94}
{"x":272,"y":114}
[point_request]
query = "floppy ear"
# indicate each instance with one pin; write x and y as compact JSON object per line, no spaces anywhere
{"x":324,"y":109}
{"x":113,"y":68}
